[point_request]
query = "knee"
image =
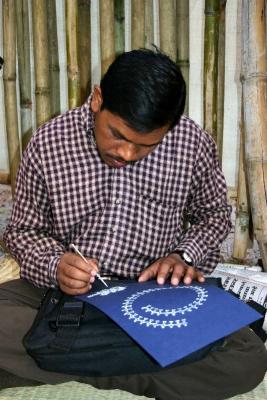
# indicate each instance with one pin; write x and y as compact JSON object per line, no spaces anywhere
{"x":251,"y":365}
{"x":258,"y":368}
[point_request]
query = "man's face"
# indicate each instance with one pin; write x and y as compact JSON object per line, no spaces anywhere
{"x":119,"y":145}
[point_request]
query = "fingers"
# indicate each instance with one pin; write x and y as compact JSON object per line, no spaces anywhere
{"x":164,"y":271}
{"x":161,"y":269}
{"x":148,"y":273}
{"x":172,"y":267}
{"x":192,"y":274}
{"x":74,"y":275}
{"x":78,"y":262}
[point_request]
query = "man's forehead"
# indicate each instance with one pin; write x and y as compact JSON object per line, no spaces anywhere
{"x":122,"y":130}
{"x":144,"y":139}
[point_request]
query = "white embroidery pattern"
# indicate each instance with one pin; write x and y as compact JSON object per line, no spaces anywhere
{"x":106,"y":292}
{"x":128,"y":310}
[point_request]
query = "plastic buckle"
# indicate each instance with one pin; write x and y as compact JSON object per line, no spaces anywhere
{"x":70,"y":314}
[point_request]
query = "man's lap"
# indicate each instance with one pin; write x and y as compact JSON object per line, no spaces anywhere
{"x":235,"y":368}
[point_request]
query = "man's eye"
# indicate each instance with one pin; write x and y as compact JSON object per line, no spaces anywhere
{"x":115,"y":135}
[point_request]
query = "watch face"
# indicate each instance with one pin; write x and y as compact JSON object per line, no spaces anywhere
{"x":187,"y":258}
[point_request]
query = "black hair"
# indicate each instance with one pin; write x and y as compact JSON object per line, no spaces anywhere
{"x":145,"y":88}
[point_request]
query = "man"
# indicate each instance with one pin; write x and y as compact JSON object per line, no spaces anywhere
{"x":119,"y":177}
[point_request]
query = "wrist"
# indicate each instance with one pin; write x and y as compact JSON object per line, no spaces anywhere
{"x":185,"y":257}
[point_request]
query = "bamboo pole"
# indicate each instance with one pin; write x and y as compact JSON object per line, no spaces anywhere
{"x":119,"y":26}
{"x":138,"y":24}
{"x":9,"y":75}
{"x":221,"y":76}
{"x":167,"y":27}
{"x":212,"y":12}
{"x":23,"y":49}
{"x":53,"y":57}
{"x":231,"y":194}
{"x":107,"y":34}
{"x":72,"y":54}
{"x":182,"y":12}
{"x":149,"y":24}
{"x":4,"y":178}
{"x":241,"y":234}
{"x":255,"y":116}
{"x":84,"y":51}
{"x":41,"y":61}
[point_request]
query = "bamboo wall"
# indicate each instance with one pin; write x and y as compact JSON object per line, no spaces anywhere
{"x":87,"y":35}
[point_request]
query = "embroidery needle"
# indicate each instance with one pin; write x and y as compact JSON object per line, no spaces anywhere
{"x":72,"y":246}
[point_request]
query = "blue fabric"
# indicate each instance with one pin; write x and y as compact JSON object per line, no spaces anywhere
{"x":172,"y":322}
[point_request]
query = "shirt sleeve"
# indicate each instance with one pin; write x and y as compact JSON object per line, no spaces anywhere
{"x":29,"y":233}
{"x":207,"y":211}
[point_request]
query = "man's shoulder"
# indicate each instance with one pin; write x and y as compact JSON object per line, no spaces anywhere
{"x":189,"y":122}
{"x":63,"y":129}
{"x":189,"y":130}
{"x":190,"y":126}
{"x":58,"y":126}
{"x":64,"y":133}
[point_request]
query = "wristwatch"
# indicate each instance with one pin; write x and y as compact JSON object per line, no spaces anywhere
{"x":185,"y":257}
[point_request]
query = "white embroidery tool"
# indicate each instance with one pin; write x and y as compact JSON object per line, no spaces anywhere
{"x":72,"y":246}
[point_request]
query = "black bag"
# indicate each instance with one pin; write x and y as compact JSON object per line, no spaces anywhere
{"x":73,"y":337}
{"x":256,"y":326}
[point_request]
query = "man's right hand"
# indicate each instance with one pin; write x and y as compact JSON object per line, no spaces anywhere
{"x":74,"y":275}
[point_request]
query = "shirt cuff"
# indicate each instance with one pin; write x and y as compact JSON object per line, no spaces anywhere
{"x":52,"y":269}
{"x":192,"y":249}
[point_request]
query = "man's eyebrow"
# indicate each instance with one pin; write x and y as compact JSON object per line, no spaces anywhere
{"x":121,"y":136}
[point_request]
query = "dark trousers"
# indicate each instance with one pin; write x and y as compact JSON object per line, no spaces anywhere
{"x":236,"y":367}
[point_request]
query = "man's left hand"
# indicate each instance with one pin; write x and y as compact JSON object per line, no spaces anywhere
{"x":174,"y":267}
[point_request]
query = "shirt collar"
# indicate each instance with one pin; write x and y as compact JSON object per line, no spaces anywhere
{"x":88,"y":116}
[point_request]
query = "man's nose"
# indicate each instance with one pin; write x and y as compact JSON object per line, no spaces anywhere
{"x":128,"y":152}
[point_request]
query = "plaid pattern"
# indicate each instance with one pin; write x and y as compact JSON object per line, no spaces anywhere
{"x":125,"y":218}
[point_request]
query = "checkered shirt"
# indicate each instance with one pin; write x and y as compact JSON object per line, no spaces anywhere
{"x":126,"y":218}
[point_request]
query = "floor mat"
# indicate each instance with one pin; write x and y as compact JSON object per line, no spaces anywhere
{"x":66,"y":391}
{"x":80,"y":391}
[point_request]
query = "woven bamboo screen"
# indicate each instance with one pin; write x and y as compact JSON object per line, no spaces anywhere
{"x":32,"y":46}
{"x":33,"y":26}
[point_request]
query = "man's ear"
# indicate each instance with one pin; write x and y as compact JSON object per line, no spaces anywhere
{"x":97,"y":100}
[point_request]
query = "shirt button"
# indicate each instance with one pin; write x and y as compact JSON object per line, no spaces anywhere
{"x":118,"y":201}
{"x":114,"y":228}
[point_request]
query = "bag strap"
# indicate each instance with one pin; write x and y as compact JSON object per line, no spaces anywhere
{"x":67,"y":324}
